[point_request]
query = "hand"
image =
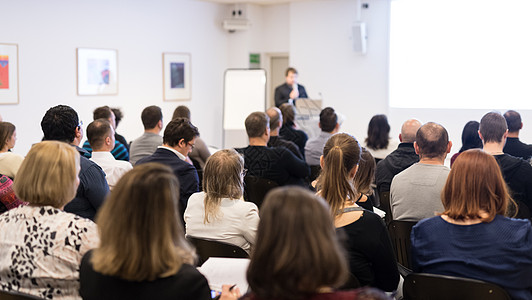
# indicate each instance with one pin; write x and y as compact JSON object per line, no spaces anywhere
{"x":228,"y":293}
{"x":294,"y":94}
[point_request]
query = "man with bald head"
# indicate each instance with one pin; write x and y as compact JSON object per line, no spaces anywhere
{"x":403,"y":157}
{"x":276,"y":122}
{"x":415,"y":192}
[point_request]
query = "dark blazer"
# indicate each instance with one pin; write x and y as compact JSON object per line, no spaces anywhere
{"x":185,"y":172}
{"x":282,"y":93}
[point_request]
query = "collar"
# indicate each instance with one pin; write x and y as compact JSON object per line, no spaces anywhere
{"x":181,"y":156}
{"x":409,"y":145}
{"x":104,"y":155}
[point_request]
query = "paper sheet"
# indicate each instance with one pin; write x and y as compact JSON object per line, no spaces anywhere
{"x":221,"y":270}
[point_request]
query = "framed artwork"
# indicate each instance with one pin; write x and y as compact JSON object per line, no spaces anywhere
{"x":8,"y":74}
{"x":97,"y":71}
{"x":176,"y":76}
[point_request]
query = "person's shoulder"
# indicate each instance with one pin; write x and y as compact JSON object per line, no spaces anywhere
{"x":196,"y":198}
{"x":188,"y":273}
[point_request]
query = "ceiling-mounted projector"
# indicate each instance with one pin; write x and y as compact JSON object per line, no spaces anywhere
{"x":235,"y":24}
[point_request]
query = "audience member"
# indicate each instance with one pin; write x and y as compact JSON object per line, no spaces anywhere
{"x":118,"y":117}
{"x":329,"y":125}
{"x":277,"y":164}
{"x":472,"y":238}
{"x":41,"y":246}
{"x":516,"y":172}
{"x":201,"y":152}
{"x":101,"y":137}
{"x":415,"y":192}
{"x":470,"y":139}
{"x":178,"y":140}
{"x":513,"y":145}
{"x":8,"y":199}
{"x":371,"y":257}
{"x":364,"y":178}
{"x":146,"y":144}
{"x":401,"y":158}
{"x":119,"y":151}
{"x":61,"y":123}
{"x":289,"y":91}
{"x":9,"y":162}
{"x":289,"y":131}
{"x":298,"y":255}
{"x":378,"y":141}
{"x":276,"y":123}
{"x":143,"y":253}
{"x":219,"y":212}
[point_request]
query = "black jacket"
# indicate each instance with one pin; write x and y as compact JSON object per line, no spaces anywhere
{"x":397,"y":161}
{"x":518,"y":176}
{"x":516,"y":148}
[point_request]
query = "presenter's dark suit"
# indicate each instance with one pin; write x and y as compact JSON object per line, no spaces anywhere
{"x":185,"y":172}
{"x":282,"y":93}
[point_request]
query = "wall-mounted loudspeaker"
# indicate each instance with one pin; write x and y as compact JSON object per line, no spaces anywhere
{"x":359,"y":37}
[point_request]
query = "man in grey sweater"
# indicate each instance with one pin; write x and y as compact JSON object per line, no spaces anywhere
{"x":146,"y":144}
{"x":415,"y":192}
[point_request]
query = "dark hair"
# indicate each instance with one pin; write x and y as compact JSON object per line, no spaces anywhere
{"x":432,"y":140}
{"x":289,"y":113}
{"x":60,"y":123}
{"x":378,"y":132}
{"x":296,"y":251}
{"x":513,"y":120}
{"x":178,"y":129}
{"x":97,"y":131}
{"x":275,"y":116}
{"x":102,"y":112}
{"x":470,"y":138}
{"x":118,"y":115}
{"x":6,"y":132}
{"x":365,"y":175}
{"x":256,"y":123}
{"x":493,"y":127}
{"x":290,"y":70}
{"x":150,"y":116}
{"x":328,"y":119}
{"x":181,"y":112}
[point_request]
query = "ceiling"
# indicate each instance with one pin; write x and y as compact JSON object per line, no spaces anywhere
{"x":259,"y":2}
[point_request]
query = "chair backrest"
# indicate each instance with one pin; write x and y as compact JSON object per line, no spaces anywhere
{"x":314,"y":172}
{"x":207,"y":248}
{"x":400,"y":236}
{"x":5,"y":295}
{"x":420,"y":286}
{"x":384,"y":199}
{"x":256,"y":188}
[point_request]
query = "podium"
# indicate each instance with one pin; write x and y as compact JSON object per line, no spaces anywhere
{"x":308,"y":116}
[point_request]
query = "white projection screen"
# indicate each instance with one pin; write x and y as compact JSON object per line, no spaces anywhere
{"x":465,"y":54}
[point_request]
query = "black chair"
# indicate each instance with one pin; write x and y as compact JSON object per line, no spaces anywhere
{"x":400,"y":236}
{"x":206,"y":248}
{"x":385,"y":205}
{"x":199,"y":170}
{"x":5,"y":295}
{"x":420,"y":286}
{"x":256,"y":188}
{"x":314,"y":172}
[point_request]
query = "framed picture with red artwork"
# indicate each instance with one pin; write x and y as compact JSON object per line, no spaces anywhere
{"x":8,"y":74}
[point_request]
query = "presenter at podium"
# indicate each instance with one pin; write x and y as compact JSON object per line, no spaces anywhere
{"x":290,"y":90}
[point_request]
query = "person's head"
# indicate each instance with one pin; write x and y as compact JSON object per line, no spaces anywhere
{"x":101,"y":135}
{"x":339,"y":164}
{"x":296,"y":251}
{"x":366,"y":173}
{"x":276,"y":118}
{"x":378,"y":132}
{"x":222,"y":178}
{"x":181,"y":135}
{"x":152,"y":117}
{"x":289,"y":113}
{"x":493,"y":128}
{"x":143,"y":204}
{"x":409,"y":130}
{"x":475,"y":188}
{"x":470,"y":138}
{"x":513,"y":121}
{"x":290,"y":76}
{"x":328,"y":120}
{"x":61,"y":123}
{"x":118,"y":115}
{"x":105,"y":112}
{"x":181,"y":112}
{"x":48,"y":175}
{"x":432,"y":141}
{"x":258,"y":125}
{"x":8,"y":136}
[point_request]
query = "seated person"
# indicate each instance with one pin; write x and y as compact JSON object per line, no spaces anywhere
{"x":513,"y":145}
{"x":471,"y":237}
{"x":364,"y":180}
{"x":146,"y":144}
{"x":289,"y":131}
{"x":201,"y":152}
{"x":118,"y":117}
{"x":8,"y":199}
{"x":9,"y":162}
{"x":378,"y":141}
{"x":277,"y":164}
{"x":329,"y":125}
{"x":219,"y":213}
{"x":276,"y":123}
{"x":119,"y":151}
{"x":470,"y":139}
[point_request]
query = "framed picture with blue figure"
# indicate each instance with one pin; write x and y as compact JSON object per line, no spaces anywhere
{"x":97,"y":71}
{"x":176,"y":76}
{"x":8,"y":73}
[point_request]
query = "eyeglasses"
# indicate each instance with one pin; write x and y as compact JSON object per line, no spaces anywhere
{"x":244,"y":172}
{"x":191,"y":145}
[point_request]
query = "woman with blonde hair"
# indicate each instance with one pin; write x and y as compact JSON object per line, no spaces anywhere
{"x":219,"y":212}
{"x":472,"y":238}
{"x":143,"y":253}
{"x":41,"y":246}
{"x":9,"y":162}
{"x":371,"y":257}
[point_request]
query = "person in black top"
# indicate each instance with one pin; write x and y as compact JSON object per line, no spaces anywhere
{"x":276,"y":123}
{"x":118,"y":117}
{"x":277,"y":164}
{"x":288,"y":131}
{"x":289,"y":91}
{"x":513,"y":145}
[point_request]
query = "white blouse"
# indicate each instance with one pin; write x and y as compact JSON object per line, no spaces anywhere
{"x":10,"y":163}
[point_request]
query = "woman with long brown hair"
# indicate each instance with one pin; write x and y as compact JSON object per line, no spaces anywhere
{"x":378,"y":140}
{"x":472,"y":237}
{"x":9,"y":162}
{"x":364,"y":180}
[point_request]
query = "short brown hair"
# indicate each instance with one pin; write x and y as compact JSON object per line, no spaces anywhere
{"x":6,"y":132}
{"x":328,"y":119}
{"x":493,"y":127}
{"x":256,"y":123}
{"x":432,"y":140}
{"x":151,"y":116}
{"x":513,"y":120}
{"x":365,"y":175}
{"x":48,"y":175}
{"x":181,"y":112}
{"x":289,"y":113}
{"x":102,"y":112}
{"x":475,"y":184}
{"x":97,"y":131}
{"x":290,"y":70}
{"x":143,"y":204}
{"x":297,"y":251}
{"x":179,"y":129}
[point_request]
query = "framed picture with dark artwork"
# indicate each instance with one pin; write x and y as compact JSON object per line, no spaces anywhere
{"x":8,"y":74}
{"x":97,"y":71}
{"x":176,"y":76}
